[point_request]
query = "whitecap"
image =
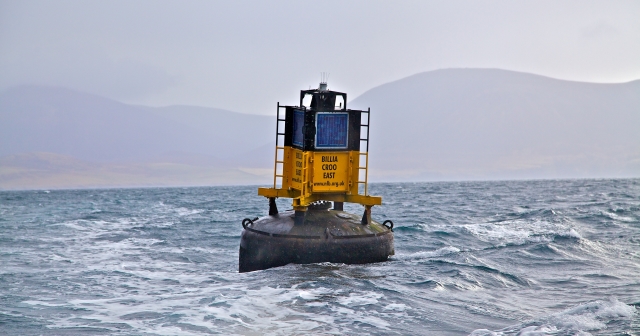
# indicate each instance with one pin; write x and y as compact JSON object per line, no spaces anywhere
{"x":42,"y":303}
{"x":360,"y":299}
{"x":618,"y":217}
{"x":396,"y":307}
{"x":427,"y":254}
{"x":578,"y":320}
{"x":520,"y":232}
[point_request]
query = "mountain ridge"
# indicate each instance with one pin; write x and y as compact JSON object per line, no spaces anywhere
{"x":475,"y":118}
{"x":94,"y":128}
{"x":448,"y":124}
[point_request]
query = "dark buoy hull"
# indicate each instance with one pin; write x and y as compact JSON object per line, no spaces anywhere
{"x":323,"y":236}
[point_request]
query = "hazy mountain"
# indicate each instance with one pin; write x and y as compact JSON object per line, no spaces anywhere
{"x":57,"y":138}
{"x":446,"y":124}
{"x":93,"y":128}
{"x":490,"y":123}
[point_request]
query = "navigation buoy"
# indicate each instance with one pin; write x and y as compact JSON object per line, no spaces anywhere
{"x":321,"y":159}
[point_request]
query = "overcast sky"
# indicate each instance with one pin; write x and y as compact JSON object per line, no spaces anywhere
{"x":247,"y":55}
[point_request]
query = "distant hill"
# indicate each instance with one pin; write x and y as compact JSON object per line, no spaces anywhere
{"x":448,"y":124}
{"x":93,"y":128}
{"x":56,"y":138}
{"x":496,"y":124}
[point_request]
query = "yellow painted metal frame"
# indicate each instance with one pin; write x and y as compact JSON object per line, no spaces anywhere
{"x":303,"y":195}
{"x":301,"y":189}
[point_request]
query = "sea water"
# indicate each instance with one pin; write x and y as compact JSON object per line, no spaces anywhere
{"x":479,"y":258}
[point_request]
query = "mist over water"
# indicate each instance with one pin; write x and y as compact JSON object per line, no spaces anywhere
{"x":480,"y":258}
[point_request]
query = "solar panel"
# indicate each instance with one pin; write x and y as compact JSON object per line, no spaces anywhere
{"x":332,"y":130}
{"x":298,"y":123}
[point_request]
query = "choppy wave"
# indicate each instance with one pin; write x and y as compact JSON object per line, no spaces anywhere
{"x":479,"y":258}
{"x":579,"y":320}
{"x":421,"y":255}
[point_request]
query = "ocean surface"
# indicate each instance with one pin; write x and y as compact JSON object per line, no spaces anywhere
{"x":479,"y":258}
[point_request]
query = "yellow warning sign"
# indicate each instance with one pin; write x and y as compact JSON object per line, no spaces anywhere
{"x":330,"y":172}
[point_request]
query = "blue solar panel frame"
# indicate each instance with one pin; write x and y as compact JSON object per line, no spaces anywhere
{"x":332,"y":130}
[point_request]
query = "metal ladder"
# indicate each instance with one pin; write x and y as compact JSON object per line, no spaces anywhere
{"x":278,"y":148}
{"x":366,"y":154}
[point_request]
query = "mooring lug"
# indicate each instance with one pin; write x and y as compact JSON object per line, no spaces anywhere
{"x":246,"y":222}
{"x":390,"y":226}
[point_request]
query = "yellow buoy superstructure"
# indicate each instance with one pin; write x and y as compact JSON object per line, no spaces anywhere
{"x":321,"y":156}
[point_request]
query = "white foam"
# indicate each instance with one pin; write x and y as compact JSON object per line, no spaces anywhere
{"x":578,"y":320}
{"x":573,"y":234}
{"x":538,"y":330}
{"x":427,"y":254}
{"x":359,"y":299}
{"x":42,"y":303}
{"x":485,"y":332}
{"x":173,"y":210}
{"x":235,"y":309}
{"x":618,"y":217}
{"x":519,"y":232}
{"x":397,"y":307}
